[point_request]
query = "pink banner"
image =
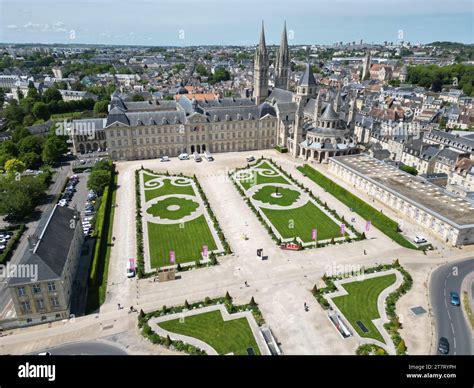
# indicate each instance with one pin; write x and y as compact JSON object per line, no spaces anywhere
{"x":368,"y":225}
{"x":343,"y":229}
{"x":172,"y":257}
{"x":204,"y":250}
{"x":315,"y":234}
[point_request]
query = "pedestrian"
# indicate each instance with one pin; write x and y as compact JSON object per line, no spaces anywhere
{"x":118,"y":305}
{"x":246,"y":284}
{"x":365,"y":252}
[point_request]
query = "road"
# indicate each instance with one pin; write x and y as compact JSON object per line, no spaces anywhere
{"x":450,"y":321}
{"x":85,"y":349}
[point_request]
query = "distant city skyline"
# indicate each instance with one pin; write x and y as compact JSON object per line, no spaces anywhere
{"x":209,"y":22}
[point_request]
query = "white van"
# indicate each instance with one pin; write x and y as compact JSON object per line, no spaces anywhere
{"x":183,"y":156}
{"x":420,"y":240}
{"x":208,"y":156}
{"x":197,"y":157}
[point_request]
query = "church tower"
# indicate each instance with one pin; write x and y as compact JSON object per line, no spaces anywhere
{"x":317,"y":109}
{"x":366,"y":67}
{"x":338,"y":101}
{"x":306,"y":87}
{"x":260,"y":71}
{"x":282,"y":63}
{"x":298,"y":128}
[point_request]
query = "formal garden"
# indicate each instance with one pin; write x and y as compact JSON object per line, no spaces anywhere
{"x":175,"y":224}
{"x":358,"y":304}
{"x":214,"y":326}
{"x":290,"y":212}
{"x":385,"y":224}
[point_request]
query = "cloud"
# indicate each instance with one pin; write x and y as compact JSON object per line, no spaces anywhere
{"x":12,"y":27}
{"x":44,"y":27}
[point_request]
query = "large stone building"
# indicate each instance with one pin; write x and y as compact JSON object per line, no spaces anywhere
{"x":313,"y":123}
{"x":439,"y":212}
{"x":41,"y":292}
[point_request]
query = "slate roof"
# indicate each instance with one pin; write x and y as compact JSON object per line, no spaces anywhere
{"x":280,"y":95}
{"x":308,"y":77}
{"x":329,"y":114}
{"x":51,"y":251}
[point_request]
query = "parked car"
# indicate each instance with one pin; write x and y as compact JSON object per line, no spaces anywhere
{"x":250,"y":159}
{"x":130,"y":268}
{"x":165,"y":159}
{"x":5,"y":236}
{"x":443,"y":345}
{"x":3,"y":241}
{"x":197,"y":157}
{"x":420,"y":240}
{"x":2,"y":247}
{"x":454,"y":298}
{"x":183,"y":156}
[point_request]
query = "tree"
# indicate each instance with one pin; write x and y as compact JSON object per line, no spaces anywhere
{"x":168,"y":341}
{"x":19,"y":133}
{"x":53,"y":148}
{"x":8,"y":147}
{"x":228,"y":298}
{"x":401,"y":347}
{"x":220,"y":74}
{"x":201,"y":70}
{"x":2,"y":97}
{"x":33,"y":94}
{"x":98,"y":180}
{"x":138,"y":97}
{"x":31,"y":159}
{"x":14,"y":165}
{"x":15,"y":204}
{"x":52,"y":94}
{"x":30,"y":144}
{"x":409,"y":169}
{"x":41,"y":111}
{"x":101,"y":107}
{"x":252,"y":302}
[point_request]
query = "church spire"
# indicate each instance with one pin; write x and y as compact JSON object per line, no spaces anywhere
{"x":260,"y":70}
{"x":282,"y":65}
{"x":262,"y":45}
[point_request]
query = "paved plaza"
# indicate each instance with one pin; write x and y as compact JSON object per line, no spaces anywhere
{"x":280,"y":285}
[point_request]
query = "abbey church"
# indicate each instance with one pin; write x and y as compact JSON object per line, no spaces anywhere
{"x":313,"y":123}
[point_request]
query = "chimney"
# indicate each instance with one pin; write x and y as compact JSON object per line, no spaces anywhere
{"x":32,"y":240}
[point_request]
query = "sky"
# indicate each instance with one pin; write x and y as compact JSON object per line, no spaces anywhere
{"x":233,"y":22}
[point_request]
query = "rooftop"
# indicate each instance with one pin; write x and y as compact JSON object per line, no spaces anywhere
{"x":435,"y":200}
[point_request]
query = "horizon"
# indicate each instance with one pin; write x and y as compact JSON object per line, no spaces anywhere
{"x":322,"y":22}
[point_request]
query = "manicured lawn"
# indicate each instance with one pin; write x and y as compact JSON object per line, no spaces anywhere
{"x":167,"y":188}
{"x":265,"y":195}
{"x":97,"y":290}
{"x":258,"y":178}
{"x":379,"y":220}
{"x":165,"y":208}
{"x":186,"y":240}
{"x":301,"y":221}
{"x":233,"y":336}
{"x":361,"y":303}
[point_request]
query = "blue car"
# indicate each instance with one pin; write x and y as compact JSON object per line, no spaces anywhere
{"x":454,"y":297}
